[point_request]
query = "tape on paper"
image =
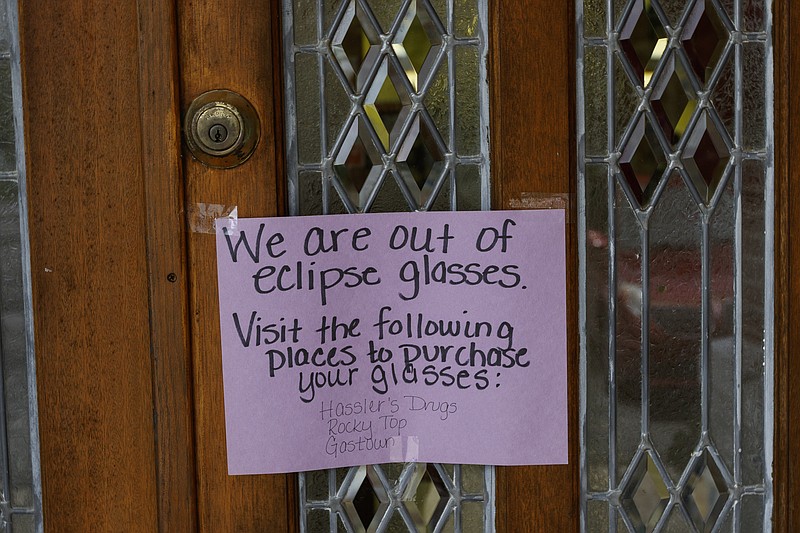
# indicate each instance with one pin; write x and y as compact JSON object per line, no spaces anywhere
{"x":404,"y":450}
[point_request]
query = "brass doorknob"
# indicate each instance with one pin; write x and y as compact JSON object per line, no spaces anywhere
{"x":221,"y":129}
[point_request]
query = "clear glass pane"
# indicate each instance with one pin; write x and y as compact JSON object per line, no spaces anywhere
{"x":722,"y":340}
{"x":675,"y":270}
{"x":704,"y":38}
{"x":627,"y":332}
{"x":644,"y":495}
{"x":752,"y":305}
{"x":597,"y":325}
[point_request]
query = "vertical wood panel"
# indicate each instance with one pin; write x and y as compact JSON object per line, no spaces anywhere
{"x":228,"y":47}
{"x":533,"y":151}
{"x":87,"y":233}
{"x":786,"y":467}
{"x":167,"y":272}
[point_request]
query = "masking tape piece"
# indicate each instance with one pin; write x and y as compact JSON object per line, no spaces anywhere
{"x":544,"y":200}
{"x":404,"y":450}
{"x":202,"y":217}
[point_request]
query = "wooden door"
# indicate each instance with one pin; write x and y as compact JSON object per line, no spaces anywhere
{"x":127,"y":341}
{"x":242,"y":52}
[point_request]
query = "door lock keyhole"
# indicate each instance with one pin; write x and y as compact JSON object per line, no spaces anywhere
{"x":218,"y":133}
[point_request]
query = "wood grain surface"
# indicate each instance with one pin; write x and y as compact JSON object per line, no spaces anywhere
{"x":533,"y":152}
{"x":89,"y":264}
{"x":786,"y":465}
{"x":167,"y":270}
{"x":228,"y":47}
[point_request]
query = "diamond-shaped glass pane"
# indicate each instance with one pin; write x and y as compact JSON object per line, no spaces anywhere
{"x":426,"y":497}
{"x":417,"y":42}
{"x":645,"y":496}
{"x":642,"y":162}
{"x":704,"y":37}
{"x":365,"y":500}
{"x":420,"y":159}
{"x":355,"y":45}
{"x":387,"y":103}
{"x":705,"y":493}
{"x":643,"y":39}
{"x":705,"y":156}
{"x":674,"y":100}
{"x":358,"y":163}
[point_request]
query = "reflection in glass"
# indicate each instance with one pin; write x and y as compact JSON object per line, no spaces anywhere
{"x":426,"y":497}
{"x":643,"y":39}
{"x":642,"y":162}
{"x":355,"y":45}
{"x":704,"y":38}
{"x":358,"y":162}
{"x":387,"y":104}
{"x":674,"y":100}
{"x":645,"y":496}
{"x":417,"y":42}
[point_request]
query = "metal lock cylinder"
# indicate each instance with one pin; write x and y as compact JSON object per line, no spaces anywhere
{"x":221,"y":129}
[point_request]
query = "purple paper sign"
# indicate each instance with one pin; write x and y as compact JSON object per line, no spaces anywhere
{"x":434,"y":337}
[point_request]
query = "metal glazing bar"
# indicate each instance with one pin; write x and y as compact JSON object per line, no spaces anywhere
{"x":705,"y":329}
{"x":738,"y":134}
{"x":769,"y":277}
{"x":580,"y":124}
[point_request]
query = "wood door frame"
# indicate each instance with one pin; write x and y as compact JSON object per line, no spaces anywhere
{"x":532,"y":117}
{"x":112,"y":72}
{"x":786,"y":465}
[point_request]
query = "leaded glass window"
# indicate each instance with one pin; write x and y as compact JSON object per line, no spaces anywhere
{"x":676,"y":173}
{"x":20,"y":486}
{"x":387,"y":110}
